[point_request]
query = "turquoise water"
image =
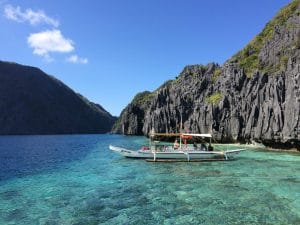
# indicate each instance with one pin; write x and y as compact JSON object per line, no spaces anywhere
{"x":75,"y":179}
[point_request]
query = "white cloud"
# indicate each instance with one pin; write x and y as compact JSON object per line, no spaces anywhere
{"x":49,"y":41}
{"x":45,"y":42}
{"x":77,"y":59}
{"x":33,"y":17}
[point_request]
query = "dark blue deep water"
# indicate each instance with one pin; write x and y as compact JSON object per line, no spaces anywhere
{"x":75,"y":179}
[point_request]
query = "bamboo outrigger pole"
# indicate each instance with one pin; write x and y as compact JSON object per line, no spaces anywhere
{"x":180,"y":139}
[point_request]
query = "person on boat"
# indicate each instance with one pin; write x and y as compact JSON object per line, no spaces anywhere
{"x":210,"y":148}
{"x":185,"y":142}
{"x":203,"y":147}
{"x":195,"y":146}
{"x":176,"y":144}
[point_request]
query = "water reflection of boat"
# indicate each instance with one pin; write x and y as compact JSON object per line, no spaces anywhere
{"x":182,"y":151}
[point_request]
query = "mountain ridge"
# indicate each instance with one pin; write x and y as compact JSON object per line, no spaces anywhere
{"x":32,"y":102}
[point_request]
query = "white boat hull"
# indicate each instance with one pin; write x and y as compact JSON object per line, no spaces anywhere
{"x":175,"y":154}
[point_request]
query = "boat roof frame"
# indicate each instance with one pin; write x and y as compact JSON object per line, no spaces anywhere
{"x":180,"y":135}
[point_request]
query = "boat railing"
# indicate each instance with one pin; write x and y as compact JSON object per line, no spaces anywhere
{"x":168,"y":148}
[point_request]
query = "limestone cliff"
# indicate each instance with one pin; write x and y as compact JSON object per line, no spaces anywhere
{"x":255,"y":95}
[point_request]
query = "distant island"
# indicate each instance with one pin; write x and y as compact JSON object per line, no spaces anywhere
{"x":253,"y":97}
{"x":32,"y":102}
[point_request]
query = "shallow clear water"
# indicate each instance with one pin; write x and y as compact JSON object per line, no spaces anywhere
{"x":75,"y":179}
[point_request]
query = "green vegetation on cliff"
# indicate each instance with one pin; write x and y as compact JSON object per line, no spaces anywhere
{"x":143,"y":97}
{"x":217,"y":74}
{"x":214,"y":98}
{"x":247,"y":58}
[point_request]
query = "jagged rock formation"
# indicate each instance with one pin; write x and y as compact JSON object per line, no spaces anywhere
{"x":255,"y":95}
{"x":32,"y":102}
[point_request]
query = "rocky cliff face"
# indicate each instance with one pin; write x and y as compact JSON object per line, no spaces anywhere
{"x":255,"y":95}
{"x":32,"y":102}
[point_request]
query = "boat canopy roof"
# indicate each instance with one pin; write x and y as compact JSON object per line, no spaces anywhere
{"x":197,"y":135}
{"x":183,"y":135}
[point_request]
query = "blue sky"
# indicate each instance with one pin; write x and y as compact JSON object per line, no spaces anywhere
{"x":110,"y":50}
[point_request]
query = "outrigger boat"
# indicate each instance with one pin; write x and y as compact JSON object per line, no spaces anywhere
{"x":157,"y":151}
